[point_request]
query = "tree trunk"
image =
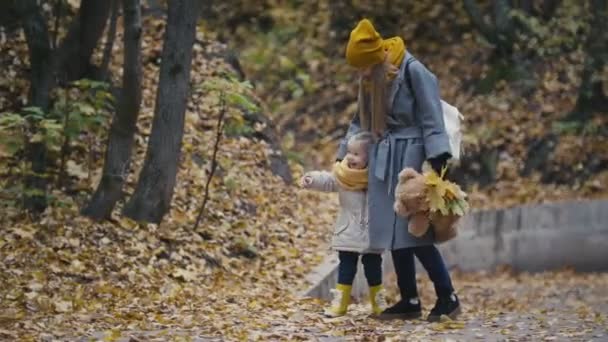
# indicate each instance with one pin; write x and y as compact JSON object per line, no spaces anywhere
{"x":111,"y":36}
{"x":41,"y":83}
{"x":152,"y":197}
{"x":9,"y":16}
{"x":590,"y":95}
{"x":45,"y":62}
{"x":122,"y":130}
{"x":82,"y":38}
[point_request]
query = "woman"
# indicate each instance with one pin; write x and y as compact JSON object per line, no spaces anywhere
{"x":399,"y":103}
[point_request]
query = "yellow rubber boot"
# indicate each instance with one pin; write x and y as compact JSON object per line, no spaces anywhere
{"x":377,"y":300}
{"x":341,"y":299}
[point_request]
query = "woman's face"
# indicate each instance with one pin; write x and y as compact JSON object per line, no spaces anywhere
{"x":366,"y":73}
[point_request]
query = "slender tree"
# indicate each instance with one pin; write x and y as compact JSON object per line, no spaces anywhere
{"x":41,"y":83}
{"x":83,"y":35}
{"x":47,"y":64}
{"x":123,"y":127}
{"x":152,"y":197}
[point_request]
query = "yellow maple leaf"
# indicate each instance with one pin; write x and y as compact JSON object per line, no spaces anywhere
{"x":435,"y":200}
{"x":431,"y":178}
{"x":451,"y":190}
{"x":441,"y":194}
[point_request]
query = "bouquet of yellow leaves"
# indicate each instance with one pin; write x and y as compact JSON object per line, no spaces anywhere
{"x":443,"y":196}
{"x":428,"y":200}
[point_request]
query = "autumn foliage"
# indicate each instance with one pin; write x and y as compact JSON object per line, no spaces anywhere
{"x":237,"y":275}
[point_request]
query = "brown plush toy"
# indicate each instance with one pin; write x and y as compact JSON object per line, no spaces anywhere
{"x":411,"y":202}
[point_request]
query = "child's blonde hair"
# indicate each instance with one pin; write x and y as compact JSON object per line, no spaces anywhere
{"x":363,"y":136}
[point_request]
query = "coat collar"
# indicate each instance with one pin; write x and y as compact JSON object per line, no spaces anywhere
{"x":401,"y":75}
{"x":398,"y":79}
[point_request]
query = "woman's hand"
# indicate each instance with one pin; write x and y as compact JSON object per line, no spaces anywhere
{"x":440,"y":162}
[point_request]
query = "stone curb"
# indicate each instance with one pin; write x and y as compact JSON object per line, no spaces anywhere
{"x":530,"y":238}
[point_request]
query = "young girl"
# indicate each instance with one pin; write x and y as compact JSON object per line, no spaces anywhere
{"x":351,"y":235}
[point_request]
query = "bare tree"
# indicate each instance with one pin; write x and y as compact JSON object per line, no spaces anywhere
{"x":122,"y":130}
{"x":41,"y":83}
{"x":46,"y":63}
{"x":82,"y":38}
{"x":152,"y":197}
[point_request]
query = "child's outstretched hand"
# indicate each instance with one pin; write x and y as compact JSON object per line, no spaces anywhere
{"x":306,"y":181}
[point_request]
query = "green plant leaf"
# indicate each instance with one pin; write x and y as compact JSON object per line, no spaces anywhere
{"x":10,"y":121}
{"x":242,"y":101}
{"x":33,"y":192}
{"x":33,"y":113}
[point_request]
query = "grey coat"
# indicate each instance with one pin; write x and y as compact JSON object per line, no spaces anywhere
{"x":416,"y":132}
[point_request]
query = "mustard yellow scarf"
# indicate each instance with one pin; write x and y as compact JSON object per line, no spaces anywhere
{"x":350,"y":179}
{"x":396,"y":50}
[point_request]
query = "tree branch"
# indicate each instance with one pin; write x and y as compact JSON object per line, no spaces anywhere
{"x":218,"y":137}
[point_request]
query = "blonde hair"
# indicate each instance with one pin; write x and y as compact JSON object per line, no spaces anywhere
{"x":365,"y":137}
{"x":372,"y":100}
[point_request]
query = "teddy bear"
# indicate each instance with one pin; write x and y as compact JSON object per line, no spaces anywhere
{"x":411,"y":201}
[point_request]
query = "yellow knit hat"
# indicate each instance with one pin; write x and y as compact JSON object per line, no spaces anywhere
{"x":364,"y":46}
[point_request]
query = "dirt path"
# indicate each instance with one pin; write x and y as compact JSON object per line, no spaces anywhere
{"x":501,"y":306}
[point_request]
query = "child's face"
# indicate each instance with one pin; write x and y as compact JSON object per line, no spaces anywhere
{"x":356,"y":156}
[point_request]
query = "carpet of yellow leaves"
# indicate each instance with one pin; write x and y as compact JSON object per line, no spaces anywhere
{"x":64,"y":274}
{"x":235,"y":278}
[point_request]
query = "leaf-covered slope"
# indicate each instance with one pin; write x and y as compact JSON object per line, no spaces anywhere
{"x":518,"y":150}
{"x":67,"y":275}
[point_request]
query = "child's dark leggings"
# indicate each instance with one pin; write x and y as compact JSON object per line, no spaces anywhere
{"x":372,"y":266}
{"x":432,"y":261}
